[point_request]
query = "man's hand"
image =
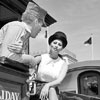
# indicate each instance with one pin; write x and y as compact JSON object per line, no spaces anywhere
{"x":16,"y":47}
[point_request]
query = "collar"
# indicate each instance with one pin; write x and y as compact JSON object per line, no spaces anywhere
{"x":27,"y":27}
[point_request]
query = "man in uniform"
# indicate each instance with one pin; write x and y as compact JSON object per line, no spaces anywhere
{"x":14,"y":36}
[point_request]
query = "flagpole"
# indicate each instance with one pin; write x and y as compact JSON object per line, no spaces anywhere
{"x":90,"y":42}
{"x":92,"y":46}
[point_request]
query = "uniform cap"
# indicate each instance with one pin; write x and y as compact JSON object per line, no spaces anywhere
{"x":40,"y":13}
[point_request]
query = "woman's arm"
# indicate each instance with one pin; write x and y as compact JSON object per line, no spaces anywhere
{"x":62,"y":75}
{"x":31,"y":60}
{"x":45,"y":89}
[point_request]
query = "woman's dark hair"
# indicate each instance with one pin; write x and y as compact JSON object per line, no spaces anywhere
{"x":60,"y":36}
{"x":61,"y":56}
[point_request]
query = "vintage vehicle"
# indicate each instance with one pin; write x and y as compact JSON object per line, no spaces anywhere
{"x":83,"y":78}
{"x":13,"y":76}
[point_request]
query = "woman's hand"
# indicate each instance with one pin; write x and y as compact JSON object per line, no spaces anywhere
{"x":44,"y":92}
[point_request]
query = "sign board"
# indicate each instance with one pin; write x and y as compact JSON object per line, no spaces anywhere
{"x":10,"y":90}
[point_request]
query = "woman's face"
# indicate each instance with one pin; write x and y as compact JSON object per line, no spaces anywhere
{"x":56,"y":45}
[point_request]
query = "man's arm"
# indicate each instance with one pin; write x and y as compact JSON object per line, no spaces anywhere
{"x":16,"y":45}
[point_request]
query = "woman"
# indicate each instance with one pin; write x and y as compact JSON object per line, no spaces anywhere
{"x":52,"y":67}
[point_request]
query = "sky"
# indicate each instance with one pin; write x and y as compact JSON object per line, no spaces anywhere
{"x":78,"y":19}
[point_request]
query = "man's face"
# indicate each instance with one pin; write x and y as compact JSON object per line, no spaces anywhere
{"x":36,"y":27}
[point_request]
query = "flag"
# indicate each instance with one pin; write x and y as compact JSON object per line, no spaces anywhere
{"x":88,"y":42}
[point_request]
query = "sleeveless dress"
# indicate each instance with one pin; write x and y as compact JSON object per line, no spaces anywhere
{"x":49,"y":69}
